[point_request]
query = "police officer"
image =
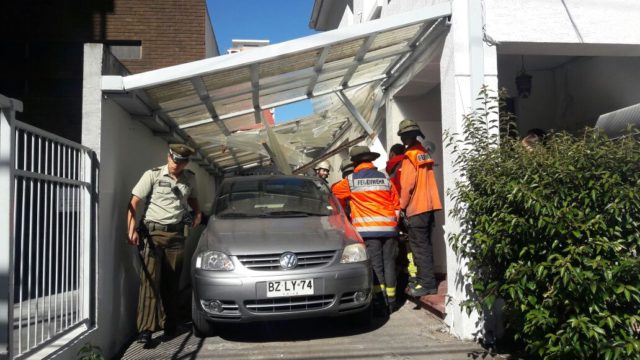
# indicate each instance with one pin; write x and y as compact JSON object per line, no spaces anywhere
{"x":167,"y":190}
{"x":374,"y":213}
{"x":419,"y":200}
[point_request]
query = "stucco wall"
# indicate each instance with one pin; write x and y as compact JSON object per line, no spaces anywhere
{"x":125,"y":149}
{"x":549,"y":21}
{"x":575,"y":94}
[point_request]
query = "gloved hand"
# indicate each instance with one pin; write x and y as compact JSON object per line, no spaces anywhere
{"x":404,"y":221}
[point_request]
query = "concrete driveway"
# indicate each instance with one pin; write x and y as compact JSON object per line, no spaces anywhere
{"x":408,"y":334}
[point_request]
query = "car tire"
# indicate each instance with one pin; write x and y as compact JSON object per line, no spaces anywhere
{"x":202,"y":327}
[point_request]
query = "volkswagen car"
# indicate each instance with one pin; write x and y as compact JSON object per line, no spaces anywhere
{"x":278,"y":247}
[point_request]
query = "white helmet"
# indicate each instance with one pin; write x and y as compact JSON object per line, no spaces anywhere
{"x":323,"y":165}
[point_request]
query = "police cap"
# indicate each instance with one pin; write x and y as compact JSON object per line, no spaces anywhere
{"x":180,"y":152}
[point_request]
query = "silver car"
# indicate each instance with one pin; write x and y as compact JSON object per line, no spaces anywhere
{"x":278,"y":247}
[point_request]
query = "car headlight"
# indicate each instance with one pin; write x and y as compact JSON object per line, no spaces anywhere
{"x":214,"y":260}
{"x":354,"y":253}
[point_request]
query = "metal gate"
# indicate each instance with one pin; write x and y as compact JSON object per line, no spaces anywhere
{"x":51,"y":232}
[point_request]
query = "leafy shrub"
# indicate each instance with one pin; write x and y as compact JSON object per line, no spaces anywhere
{"x":554,"y":232}
{"x":90,"y":352}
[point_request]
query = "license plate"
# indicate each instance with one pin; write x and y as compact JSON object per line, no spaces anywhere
{"x":289,"y":288}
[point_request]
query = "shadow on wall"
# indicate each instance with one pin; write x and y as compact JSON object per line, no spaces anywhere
{"x":45,"y":54}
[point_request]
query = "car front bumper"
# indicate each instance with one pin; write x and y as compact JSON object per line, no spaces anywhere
{"x":243,"y":296}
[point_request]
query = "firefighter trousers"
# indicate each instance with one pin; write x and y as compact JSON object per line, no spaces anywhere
{"x":163,"y":260}
{"x":382,"y":252}
{"x":420,"y":227}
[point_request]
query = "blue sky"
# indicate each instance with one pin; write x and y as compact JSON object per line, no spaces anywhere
{"x":273,"y":20}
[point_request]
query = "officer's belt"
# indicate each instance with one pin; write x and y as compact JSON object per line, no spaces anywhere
{"x":154,"y":226}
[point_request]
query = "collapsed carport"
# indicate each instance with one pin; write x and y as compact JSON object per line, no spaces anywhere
{"x":217,"y":104}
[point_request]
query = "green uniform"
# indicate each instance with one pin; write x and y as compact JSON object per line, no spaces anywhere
{"x":164,"y":256}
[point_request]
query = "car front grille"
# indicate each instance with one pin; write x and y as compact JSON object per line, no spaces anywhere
{"x":272,"y":261}
{"x":289,"y":304}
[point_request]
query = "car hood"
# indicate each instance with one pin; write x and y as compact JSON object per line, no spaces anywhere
{"x":249,"y":236}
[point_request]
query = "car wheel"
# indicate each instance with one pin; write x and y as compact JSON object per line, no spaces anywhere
{"x":202,"y":327}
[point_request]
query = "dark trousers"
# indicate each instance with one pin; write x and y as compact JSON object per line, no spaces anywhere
{"x":420,"y":227}
{"x":382,"y":252}
{"x":163,"y":263}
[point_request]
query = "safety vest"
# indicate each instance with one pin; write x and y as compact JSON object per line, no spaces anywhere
{"x":373,"y":201}
{"x":419,"y":191}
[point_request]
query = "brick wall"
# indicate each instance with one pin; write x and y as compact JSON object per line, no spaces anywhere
{"x":171,"y":31}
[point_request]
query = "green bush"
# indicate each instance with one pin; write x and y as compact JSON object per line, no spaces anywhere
{"x":554,"y":232}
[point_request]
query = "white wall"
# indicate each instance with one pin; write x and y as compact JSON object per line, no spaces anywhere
{"x":573,"y":95}
{"x":549,"y":21}
{"x":125,"y":149}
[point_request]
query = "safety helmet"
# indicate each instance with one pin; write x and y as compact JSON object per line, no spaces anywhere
{"x":323,"y":165}
{"x":407,"y":126}
{"x":346,"y":165}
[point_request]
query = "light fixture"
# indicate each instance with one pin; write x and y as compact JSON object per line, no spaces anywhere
{"x":523,"y":82}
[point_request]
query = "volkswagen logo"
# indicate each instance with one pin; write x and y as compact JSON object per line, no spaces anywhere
{"x":288,"y":260}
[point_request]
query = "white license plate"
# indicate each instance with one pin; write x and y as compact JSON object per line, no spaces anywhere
{"x":289,"y":288}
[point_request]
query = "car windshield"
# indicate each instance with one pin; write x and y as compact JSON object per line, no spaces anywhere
{"x":274,"y":197}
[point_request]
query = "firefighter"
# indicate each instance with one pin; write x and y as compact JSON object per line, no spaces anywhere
{"x":419,"y":200}
{"x":346,"y":167}
{"x":396,"y":155}
{"x":322,"y":170}
{"x":374,"y":213}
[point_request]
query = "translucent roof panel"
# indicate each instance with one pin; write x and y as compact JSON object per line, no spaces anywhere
{"x":213,"y":102}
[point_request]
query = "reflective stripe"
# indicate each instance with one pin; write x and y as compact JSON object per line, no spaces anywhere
{"x":391,"y":291}
{"x":370,"y":188}
{"x":362,"y":228}
{"x":374,"y":219}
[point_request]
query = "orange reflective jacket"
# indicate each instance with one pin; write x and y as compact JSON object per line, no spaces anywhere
{"x":418,"y":191}
{"x":373,"y":201}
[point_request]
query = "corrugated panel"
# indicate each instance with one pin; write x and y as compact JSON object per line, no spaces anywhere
{"x":202,"y":133}
{"x":244,"y":122}
{"x":394,"y":37}
{"x":616,"y":122}
{"x":268,"y":100}
{"x":227,"y":78}
{"x":233,"y":104}
{"x":169,"y":92}
{"x":289,"y":63}
{"x":367,"y":71}
{"x":283,"y":87}
{"x":230,"y":91}
{"x":329,"y":84}
{"x":386,"y":51}
{"x":344,"y":50}
{"x":191,"y":114}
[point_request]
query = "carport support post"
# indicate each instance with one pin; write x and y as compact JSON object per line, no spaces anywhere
{"x":8,"y":108}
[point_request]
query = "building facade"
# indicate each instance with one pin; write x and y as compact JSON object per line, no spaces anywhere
{"x":582,"y":59}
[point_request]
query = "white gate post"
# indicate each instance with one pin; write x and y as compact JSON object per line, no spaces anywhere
{"x":8,"y":108}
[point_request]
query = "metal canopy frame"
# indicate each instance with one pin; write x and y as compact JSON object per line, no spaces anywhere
{"x":216,"y":104}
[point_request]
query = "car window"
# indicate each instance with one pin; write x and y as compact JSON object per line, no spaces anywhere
{"x":275,"y":197}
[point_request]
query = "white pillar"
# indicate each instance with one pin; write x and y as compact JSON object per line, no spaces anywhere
{"x":466,"y":64}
